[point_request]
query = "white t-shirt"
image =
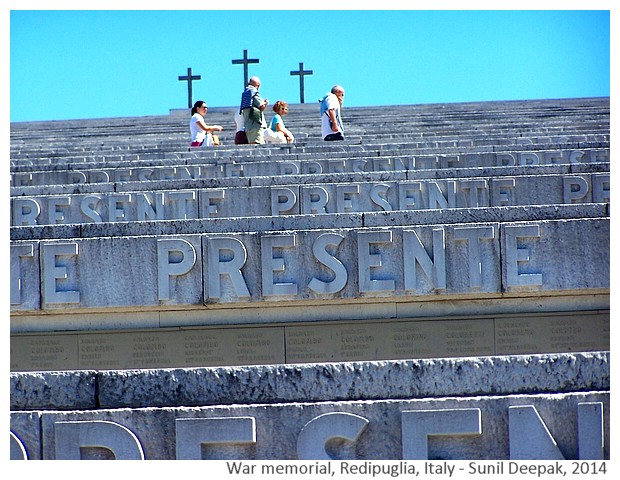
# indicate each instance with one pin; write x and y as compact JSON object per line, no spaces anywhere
{"x":197,"y":133}
{"x":332,"y":102}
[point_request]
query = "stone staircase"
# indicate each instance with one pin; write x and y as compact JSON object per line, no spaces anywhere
{"x":469,"y":234}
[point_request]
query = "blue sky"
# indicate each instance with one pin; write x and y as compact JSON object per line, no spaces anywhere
{"x":70,"y":64}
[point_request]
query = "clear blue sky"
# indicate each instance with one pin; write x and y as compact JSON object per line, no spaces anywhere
{"x":68,"y":64}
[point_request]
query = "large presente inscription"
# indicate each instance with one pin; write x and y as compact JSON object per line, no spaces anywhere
{"x":324,"y":198}
{"x":517,"y":428}
{"x":304,"y":265}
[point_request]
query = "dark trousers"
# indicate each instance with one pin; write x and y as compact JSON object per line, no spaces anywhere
{"x":334,"y":136}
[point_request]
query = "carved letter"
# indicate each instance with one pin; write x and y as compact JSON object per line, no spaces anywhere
{"x":55,"y":214}
{"x":410,"y":196}
{"x":576,"y":156}
{"x":87,"y":206}
{"x":212,"y":199}
{"x":358,"y":165}
{"x":25,"y":211}
{"x":313,"y":199}
{"x":18,"y":451}
{"x":182,"y":199}
{"x":320,"y":253}
{"x":378,"y":193}
{"x":478,"y":192}
{"x":226,"y":257}
{"x":505,"y":160}
{"x":148,"y":209}
{"x":99,"y":176}
{"x":515,"y":255}
{"x":600,"y":188}
{"x":367,"y":261}
{"x":346,"y":198}
{"x":283,"y":199}
{"x":502,"y":190}
{"x":192,"y":433}
{"x":116,"y":214}
{"x":336,"y":166}
{"x":71,"y":437}
{"x":76,"y":177}
{"x":167,"y":251}
{"x":590,"y":430}
{"x":22,"y":179}
{"x":528,"y":158}
{"x":289,"y":168}
{"x":122,"y":175}
{"x":17,"y":252}
{"x":52,"y":271}
{"x":436,"y":198}
{"x":313,"y":168}
{"x":434,"y":270}
{"x":473,"y":235}
{"x":144,"y":174}
{"x":272,"y":264}
{"x":418,"y":425}
{"x":315,"y":434}
{"x":529,"y":437}
{"x":575,"y":189}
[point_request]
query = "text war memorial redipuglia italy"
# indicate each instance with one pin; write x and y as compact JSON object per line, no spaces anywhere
{"x":435,"y":287}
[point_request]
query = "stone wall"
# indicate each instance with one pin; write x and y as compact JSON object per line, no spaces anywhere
{"x":434,"y":287}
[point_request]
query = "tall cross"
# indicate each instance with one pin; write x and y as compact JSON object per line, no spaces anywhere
{"x":301,"y":72}
{"x":189,"y":77}
{"x":245,"y":61}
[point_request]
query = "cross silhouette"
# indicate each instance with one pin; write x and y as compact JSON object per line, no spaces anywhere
{"x":189,"y":77}
{"x":301,"y":72}
{"x":245,"y":61}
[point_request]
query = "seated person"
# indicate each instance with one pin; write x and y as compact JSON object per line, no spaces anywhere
{"x":202,"y":134}
{"x":277,"y":132}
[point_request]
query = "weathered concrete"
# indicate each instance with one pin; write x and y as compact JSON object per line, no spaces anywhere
{"x":386,"y":429}
{"x":469,"y":259}
{"x":460,"y":326}
{"x":404,"y":379}
{"x":112,"y":205}
{"x":411,"y":385}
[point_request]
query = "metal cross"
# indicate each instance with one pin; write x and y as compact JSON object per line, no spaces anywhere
{"x":245,"y":61}
{"x":189,"y":79}
{"x":301,"y":72}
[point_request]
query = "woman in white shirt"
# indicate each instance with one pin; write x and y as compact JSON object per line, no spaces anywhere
{"x":202,"y":134}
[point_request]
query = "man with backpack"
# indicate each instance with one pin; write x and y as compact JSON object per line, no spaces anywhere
{"x":331,"y":124}
{"x":252,"y":106}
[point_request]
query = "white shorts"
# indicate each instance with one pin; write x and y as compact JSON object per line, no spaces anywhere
{"x":274,"y":137}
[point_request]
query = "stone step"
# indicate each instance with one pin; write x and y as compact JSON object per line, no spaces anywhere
{"x":458,"y":121}
{"x":378,"y":380}
{"x":263,"y":439}
{"x":232,"y":175}
{"x":126,"y":138}
{"x":374,"y":142}
{"x":348,"y":147}
{"x":239,"y":225}
{"x":433,"y":116}
{"x":192,"y":167}
{"x":416,"y":266}
{"x":162,"y":200}
{"x":492,"y":252}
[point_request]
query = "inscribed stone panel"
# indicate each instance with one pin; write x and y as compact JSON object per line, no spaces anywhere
{"x":557,"y":333}
{"x":44,"y":352}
